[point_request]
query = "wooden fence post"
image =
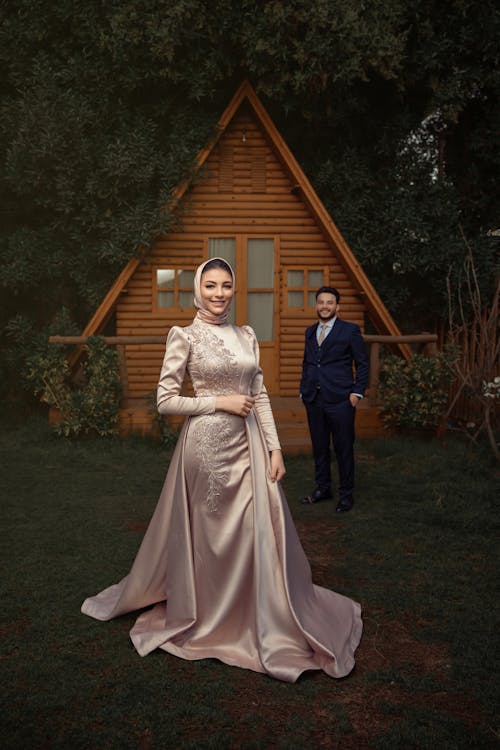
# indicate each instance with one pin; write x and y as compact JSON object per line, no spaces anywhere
{"x":374,"y":373}
{"x":122,"y":360}
{"x":431,"y":347}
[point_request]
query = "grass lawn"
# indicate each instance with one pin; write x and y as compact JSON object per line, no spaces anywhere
{"x":419,"y":551}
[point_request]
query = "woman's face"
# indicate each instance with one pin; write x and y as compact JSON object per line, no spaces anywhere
{"x":216,"y":289}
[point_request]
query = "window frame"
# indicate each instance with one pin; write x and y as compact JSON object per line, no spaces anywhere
{"x":176,"y":307}
{"x":240,"y":304}
{"x":304,"y":288}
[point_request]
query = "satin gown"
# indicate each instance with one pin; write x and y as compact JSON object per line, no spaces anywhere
{"x":221,"y":568}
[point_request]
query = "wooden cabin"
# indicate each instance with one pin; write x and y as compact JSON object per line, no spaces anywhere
{"x":251,"y":204}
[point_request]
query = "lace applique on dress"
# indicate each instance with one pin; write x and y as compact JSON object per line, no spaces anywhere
{"x":209,"y":435}
{"x":212,"y":366}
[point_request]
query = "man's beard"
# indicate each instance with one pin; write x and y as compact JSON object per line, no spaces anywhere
{"x":330,"y":316}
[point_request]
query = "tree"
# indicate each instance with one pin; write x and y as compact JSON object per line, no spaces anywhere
{"x":473,"y":334}
{"x":389,"y":107}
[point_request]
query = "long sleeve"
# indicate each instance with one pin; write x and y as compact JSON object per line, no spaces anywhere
{"x":262,"y":406}
{"x":169,"y":400}
{"x":264,"y":412}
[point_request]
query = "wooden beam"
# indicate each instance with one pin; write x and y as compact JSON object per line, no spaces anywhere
{"x":112,"y":340}
{"x":414,"y":338}
{"x":101,"y":316}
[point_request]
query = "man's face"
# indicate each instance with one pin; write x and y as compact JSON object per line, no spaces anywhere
{"x":326,"y":306}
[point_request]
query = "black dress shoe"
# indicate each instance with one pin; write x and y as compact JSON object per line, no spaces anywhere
{"x":344,"y":506}
{"x":316,"y":496}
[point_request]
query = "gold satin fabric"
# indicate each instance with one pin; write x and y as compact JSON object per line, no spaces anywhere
{"x":221,"y":561}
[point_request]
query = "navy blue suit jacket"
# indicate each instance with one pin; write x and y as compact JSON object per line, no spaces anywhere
{"x":329,"y":367}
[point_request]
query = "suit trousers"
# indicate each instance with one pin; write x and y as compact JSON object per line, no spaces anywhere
{"x":336,"y":421}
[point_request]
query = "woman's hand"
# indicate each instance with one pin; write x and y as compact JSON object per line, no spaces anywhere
{"x":278,"y":470}
{"x":236,"y":403}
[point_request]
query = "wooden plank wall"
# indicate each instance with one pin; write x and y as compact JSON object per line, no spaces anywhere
{"x":243,"y":189}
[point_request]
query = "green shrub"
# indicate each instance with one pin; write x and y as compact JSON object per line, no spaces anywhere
{"x":91,"y":408}
{"x":414,"y":392}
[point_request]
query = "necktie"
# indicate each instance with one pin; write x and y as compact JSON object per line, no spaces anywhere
{"x":322,"y":333}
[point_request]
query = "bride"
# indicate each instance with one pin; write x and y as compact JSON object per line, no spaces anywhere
{"x":221,"y":569}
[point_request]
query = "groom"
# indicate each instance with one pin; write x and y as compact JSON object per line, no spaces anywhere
{"x":330,"y":393}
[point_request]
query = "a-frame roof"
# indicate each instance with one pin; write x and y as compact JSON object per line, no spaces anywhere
{"x":377,"y":311}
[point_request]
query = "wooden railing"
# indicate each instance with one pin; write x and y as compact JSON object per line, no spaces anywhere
{"x":426,"y":342}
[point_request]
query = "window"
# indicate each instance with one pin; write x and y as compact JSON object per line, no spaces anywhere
{"x":301,"y":286}
{"x":173,"y":288}
{"x":244,"y":166}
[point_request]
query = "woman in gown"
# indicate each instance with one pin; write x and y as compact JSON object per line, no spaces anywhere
{"x":221,"y":568}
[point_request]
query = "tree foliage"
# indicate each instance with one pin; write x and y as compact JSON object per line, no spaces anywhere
{"x":389,"y":106}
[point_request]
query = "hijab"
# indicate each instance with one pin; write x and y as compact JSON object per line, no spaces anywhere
{"x":203,"y":313}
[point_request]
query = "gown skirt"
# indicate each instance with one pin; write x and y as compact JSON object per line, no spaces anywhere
{"x":221,"y":569}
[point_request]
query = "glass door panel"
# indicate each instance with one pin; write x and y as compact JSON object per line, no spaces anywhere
{"x":261,"y":315}
{"x":260,"y":263}
{"x":225,"y":247}
{"x":254,"y":262}
{"x":260,"y":287}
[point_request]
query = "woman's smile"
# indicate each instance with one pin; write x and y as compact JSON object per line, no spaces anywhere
{"x":216,"y":290}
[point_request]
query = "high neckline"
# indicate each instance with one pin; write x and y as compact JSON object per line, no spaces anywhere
{"x":218,"y":324}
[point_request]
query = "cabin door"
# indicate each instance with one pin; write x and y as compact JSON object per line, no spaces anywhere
{"x":255,"y":260}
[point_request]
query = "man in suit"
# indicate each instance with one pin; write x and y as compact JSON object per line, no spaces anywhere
{"x":331,"y":392}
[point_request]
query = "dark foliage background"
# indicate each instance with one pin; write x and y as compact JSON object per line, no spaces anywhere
{"x":389,"y":106}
